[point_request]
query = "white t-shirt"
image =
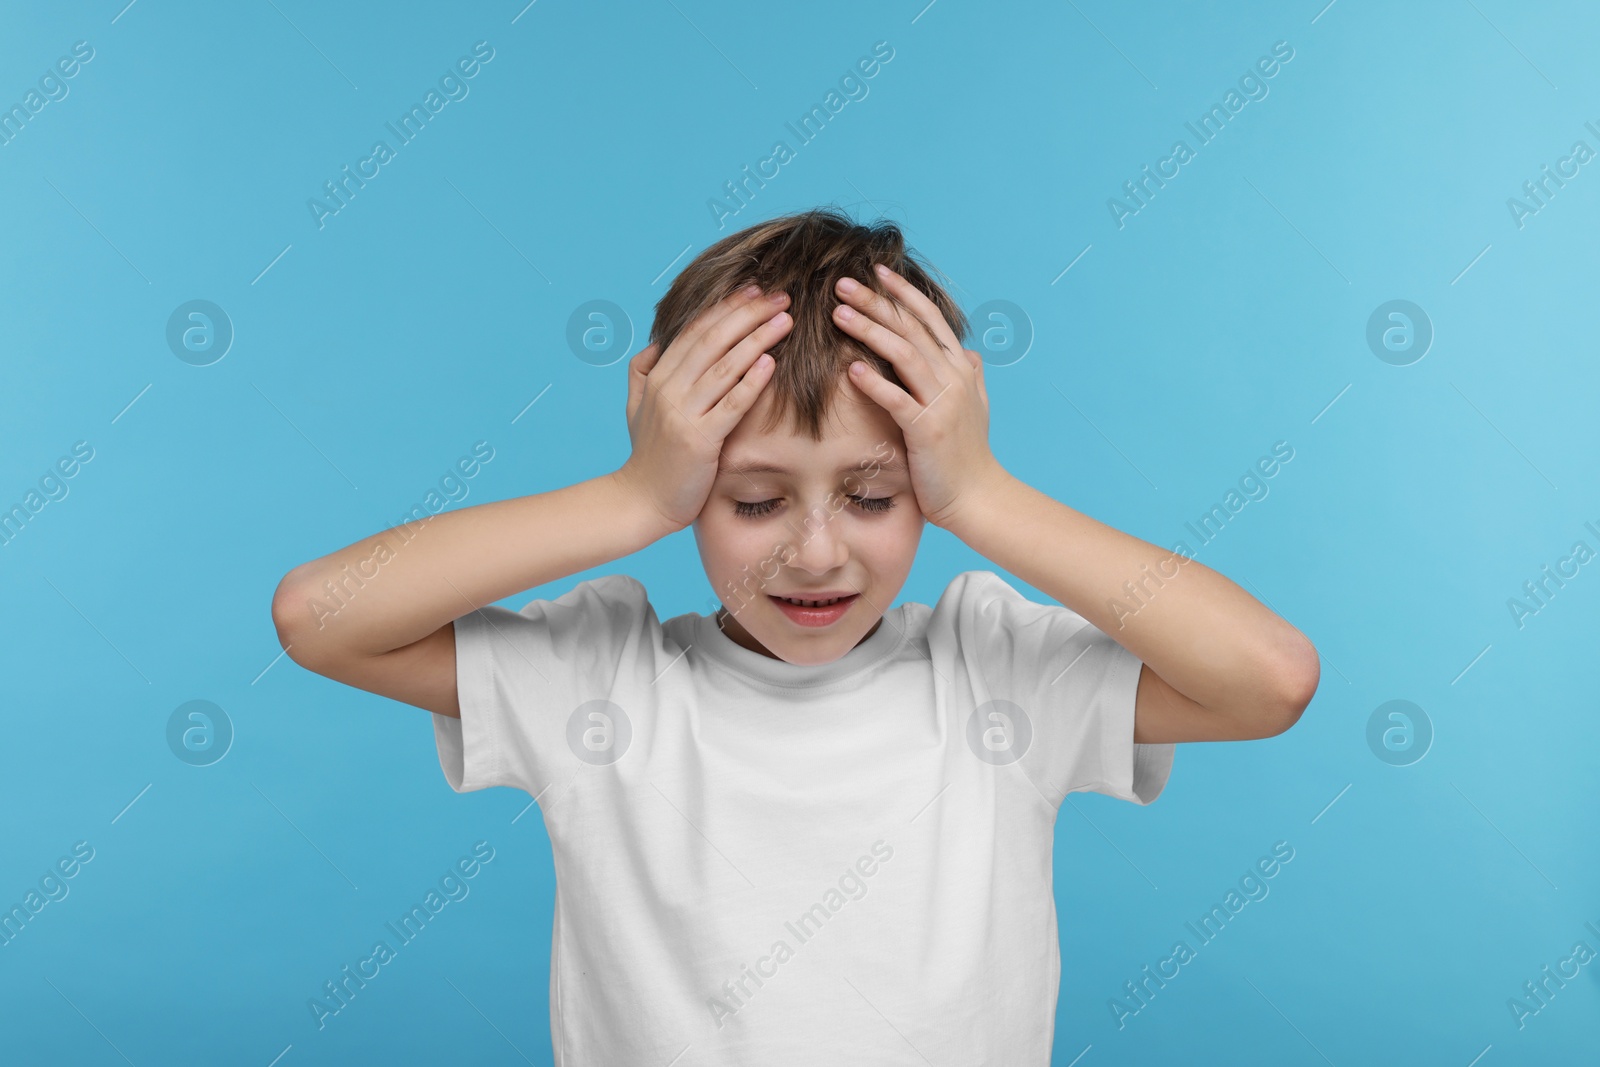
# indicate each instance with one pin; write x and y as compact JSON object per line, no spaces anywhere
{"x":770,"y":864}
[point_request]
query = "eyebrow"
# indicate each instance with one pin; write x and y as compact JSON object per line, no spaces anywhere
{"x":759,"y":467}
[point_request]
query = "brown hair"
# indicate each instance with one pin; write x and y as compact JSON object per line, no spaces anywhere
{"x":804,"y":254}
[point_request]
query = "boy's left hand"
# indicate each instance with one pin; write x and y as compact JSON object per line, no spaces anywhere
{"x":945,"y":416}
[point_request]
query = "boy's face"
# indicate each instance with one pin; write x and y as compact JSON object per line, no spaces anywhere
{"x":839,"y":518}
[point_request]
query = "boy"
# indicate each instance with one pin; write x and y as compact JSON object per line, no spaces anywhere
{"x":804,"y":829}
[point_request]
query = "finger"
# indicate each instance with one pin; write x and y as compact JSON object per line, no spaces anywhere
{"x":913,"y":366}
{"x":900,"y":405}
{"x":722,"y":324}
{"x":927,"y":312}
{"x":727,"y":412}
{"x":883,"y":310}
{"x":711,"y":386}
{"x":721,"y":337}
{"x":705,"y":319}
{"x":900,"y":320}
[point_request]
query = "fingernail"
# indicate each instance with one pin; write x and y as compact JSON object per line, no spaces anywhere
{"x":778,"y":297}
{"x":881,"y":269}
{"x":752,"y":290}
{"x":846,"y":312}
{"x":848,"y":285}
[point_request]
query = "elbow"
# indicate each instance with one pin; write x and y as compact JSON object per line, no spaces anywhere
{"x":291,"y":612}
{"x":1296,"y":674}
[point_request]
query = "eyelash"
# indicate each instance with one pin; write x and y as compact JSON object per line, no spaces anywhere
{"x":872,"y":505}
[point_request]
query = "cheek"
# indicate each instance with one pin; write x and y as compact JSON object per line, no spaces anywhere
{"x":899,"y":537}
{"x":729,"y":544}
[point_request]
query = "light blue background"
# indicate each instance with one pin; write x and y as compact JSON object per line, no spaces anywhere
{"x":1228,"y":314}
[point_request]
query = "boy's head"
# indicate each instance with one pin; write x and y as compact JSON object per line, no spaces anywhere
{"x":814,"y":495}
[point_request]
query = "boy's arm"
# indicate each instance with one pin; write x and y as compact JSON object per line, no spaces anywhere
{"x":390,"y":629}
{"x":379,"y":614}
{"x":1217,"y":664}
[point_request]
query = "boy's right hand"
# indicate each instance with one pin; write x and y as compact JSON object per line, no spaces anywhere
{"x":683,"y":404}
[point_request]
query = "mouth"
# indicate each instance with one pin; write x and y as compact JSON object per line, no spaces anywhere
{"x":823,"y":611}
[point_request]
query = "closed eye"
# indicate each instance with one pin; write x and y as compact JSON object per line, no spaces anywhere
{"x":874,"y":505}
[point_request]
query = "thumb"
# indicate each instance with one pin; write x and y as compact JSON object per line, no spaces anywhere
{"x":645,"y":358}
{"x":639,"y":366}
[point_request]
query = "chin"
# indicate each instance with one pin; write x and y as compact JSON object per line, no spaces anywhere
{"x":814,"y":650}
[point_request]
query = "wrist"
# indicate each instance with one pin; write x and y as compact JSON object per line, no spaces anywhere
{"x":983,"y":501}
{"x":639,"y":507}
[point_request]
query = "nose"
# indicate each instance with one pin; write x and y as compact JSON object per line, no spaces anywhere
{"x":818,"y":543}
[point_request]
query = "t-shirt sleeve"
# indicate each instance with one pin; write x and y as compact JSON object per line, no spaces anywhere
{"x":521,"y":676}
{"x":1042,"y":681}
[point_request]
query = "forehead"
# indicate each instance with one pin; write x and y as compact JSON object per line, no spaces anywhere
{"x":855,"y":430}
